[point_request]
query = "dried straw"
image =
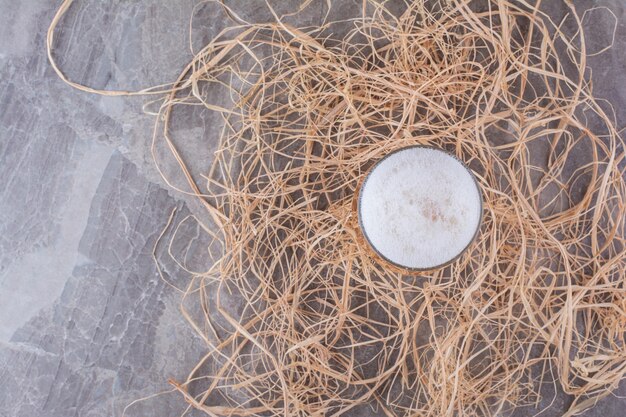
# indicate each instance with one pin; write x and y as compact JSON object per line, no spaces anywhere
{"x":538,"y":300}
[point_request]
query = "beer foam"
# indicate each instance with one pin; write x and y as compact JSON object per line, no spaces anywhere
{"x":419,"y":207}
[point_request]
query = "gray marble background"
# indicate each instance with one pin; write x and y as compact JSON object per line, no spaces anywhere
{"x":86,"y":324}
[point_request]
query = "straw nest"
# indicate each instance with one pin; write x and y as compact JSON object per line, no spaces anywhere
{"x":538,"y":300}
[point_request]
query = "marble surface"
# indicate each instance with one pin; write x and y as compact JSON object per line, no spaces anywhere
{"x":86,"y":323}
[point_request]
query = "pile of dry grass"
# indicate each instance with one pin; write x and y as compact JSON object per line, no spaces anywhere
{"x":540,"y":297}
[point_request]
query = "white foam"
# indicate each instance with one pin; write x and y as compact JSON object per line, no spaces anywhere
{"x":420,"y":207}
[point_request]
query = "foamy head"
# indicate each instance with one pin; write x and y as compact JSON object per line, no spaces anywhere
{"x":419,"y":208}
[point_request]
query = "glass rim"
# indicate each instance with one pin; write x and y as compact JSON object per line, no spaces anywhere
{"x":409,"y":268}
